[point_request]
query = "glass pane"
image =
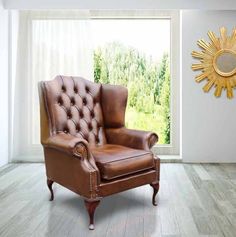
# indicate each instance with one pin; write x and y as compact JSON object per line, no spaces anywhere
{"x":135,"y":53}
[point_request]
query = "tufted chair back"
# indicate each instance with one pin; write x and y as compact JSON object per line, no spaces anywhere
{"x":73,"y":107}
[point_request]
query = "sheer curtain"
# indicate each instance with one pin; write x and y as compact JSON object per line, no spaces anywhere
{"x":49,"y":43}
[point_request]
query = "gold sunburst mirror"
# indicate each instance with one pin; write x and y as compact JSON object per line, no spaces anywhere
{"x":217,"y":62}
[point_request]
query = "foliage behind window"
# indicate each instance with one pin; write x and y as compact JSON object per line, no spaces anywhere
{"x":147,"y":81}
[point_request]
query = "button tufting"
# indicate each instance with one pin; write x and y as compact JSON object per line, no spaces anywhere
{"x":84,"y":101}
{"x":63,"y":88}
{"x":72,"y":101}
{"x":92,"y":114}
{"x":77,"y":128}
{"x":75,"y":90}
{"x":90,"y":127}
{"x":87,"y":89}
{"x":81,"y":114}
{"x":69,"y":115}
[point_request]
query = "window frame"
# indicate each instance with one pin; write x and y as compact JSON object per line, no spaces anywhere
{"x":174,"y":147}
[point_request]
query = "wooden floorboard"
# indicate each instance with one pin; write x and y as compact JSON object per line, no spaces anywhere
{"x":194,"y":200}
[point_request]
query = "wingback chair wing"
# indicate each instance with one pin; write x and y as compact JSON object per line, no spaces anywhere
{"x":87,"y":147}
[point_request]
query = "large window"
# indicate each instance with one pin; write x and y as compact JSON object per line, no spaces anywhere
{"x":135,"y":53}
{"x":134,"y":49}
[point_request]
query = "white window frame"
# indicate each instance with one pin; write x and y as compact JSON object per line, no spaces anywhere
{"x":34,"y":151}
{"x":174,"y":147}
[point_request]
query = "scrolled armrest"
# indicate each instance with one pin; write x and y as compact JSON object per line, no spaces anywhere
{"x":77,"y":156}
{"x":132,"y":138}
{"x":81,"y":150}
{"x":73,"y":146}
{"x":68,"y":143}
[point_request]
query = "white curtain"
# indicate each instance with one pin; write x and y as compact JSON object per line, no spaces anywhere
{"x":49,"y":43}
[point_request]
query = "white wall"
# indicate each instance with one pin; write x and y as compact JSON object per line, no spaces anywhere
{"x":121,"y":4}
{"x":4,"y":85}
{"x":209,"y":123}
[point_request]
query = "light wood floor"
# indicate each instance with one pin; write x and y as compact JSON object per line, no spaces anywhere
{"x":194,"y":200}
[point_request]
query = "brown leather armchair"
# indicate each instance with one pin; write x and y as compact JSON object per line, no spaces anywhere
{"x":86,"y":145}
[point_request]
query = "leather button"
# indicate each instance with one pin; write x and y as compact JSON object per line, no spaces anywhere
{"x":81,"y":114}
{"x":69,"y":115}
{"x":72,"y":102}
{"x":77,"y":129}
{"x":92,"y":114}
{"x":65,"y":131}
{"x":75,"y":90}
{"x":87,"y":89}
{"x":63,"y":88}
{"x":90,"y":127}
{"x":84,"y":101}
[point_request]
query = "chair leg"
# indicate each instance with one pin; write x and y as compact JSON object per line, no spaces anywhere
{"x":91,"y":206}
{"x":49,"y":183}
{"x":155,"y":187}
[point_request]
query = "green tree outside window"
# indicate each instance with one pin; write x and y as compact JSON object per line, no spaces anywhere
{"x":148,"y":83}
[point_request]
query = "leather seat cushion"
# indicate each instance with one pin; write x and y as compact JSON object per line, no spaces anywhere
{"x":115,"y":161}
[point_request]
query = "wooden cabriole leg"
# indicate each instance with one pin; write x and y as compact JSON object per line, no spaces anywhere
{"x":155,"y":187}
{"x":91,"y":207}
{"x":49,"y":183}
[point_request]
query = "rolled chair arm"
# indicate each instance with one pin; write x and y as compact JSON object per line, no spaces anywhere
{"x":68,"y":143}
{"x":132,"y":138}
{"x":72,"y":145}
{"x":79,"y":163}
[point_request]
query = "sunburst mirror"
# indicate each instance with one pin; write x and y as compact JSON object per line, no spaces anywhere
{"x":217,"y":62}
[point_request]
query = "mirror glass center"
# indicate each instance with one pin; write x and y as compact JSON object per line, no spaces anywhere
{"x":226,"y":62}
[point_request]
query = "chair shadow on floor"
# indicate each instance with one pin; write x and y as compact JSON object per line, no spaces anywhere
{"x":68,"y":215}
